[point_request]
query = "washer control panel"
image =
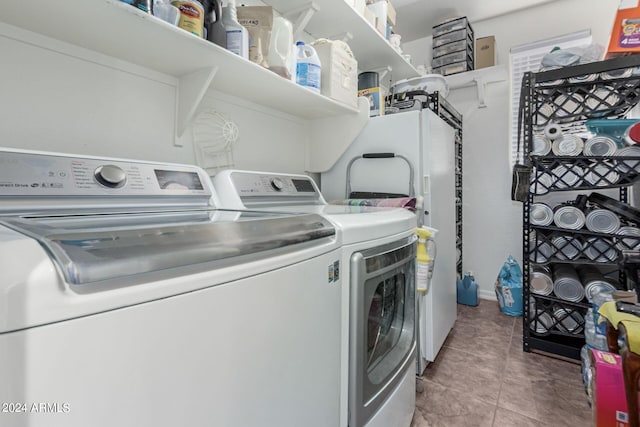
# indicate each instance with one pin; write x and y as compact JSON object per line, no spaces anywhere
{"x":45,"y":174}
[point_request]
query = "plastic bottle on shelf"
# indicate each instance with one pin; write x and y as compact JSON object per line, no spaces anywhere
{"x":214,"y":28}
{"x":237,"y":35}
{"x":598,"y":299}
{"x":308,"y":67}
{"x":281,"y":52}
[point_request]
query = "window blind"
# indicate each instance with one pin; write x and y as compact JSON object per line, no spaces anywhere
{"x":527,"y":57}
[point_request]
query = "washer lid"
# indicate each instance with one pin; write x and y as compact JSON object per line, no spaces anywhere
{"x":93,"y":248}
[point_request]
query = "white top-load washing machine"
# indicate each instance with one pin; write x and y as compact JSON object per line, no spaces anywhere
{"x":127,"y":299}
{"x":377,"y":277}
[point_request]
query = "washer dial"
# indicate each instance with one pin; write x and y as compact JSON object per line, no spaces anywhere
{"x":110,"y":176}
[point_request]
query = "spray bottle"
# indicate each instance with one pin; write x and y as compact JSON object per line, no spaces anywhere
{"x":424,"y":262}
{"x":237,"y":35}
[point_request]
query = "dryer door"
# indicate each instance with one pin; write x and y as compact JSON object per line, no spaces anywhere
{"x":383,"y":303}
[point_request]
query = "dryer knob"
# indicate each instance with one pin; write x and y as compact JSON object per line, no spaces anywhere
{"x":110,"y":176}
{"x":277,"y":184}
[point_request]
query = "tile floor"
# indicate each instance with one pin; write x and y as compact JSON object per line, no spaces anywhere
{"x":483,"y":378}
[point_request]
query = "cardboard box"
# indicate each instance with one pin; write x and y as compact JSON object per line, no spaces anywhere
{"x":625,"y":35}
{"x":391,"y":14}
{"x":486,"y":54}
{"x":609,"y":402}
{"x":339,"y":71}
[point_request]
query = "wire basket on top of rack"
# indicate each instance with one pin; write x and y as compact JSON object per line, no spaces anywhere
{"x":609,"y":94}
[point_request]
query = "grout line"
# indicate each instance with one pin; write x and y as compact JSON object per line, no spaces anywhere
{"x":502,"y":377}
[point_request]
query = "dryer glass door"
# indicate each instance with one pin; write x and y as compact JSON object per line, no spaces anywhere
{"x":383,"y":303}
{"x":385,"y":323}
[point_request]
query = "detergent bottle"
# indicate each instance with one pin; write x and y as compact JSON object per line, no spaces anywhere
{"x":467,"y":290}
{"x":424,"y":261}
{"x":281,"y":55}
{"x":308,"y":69}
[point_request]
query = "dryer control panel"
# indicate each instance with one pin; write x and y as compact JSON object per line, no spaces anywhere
{"x":249,"y":189}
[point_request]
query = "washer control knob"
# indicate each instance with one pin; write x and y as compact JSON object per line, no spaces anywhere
{"x":277,"y":184}
{"x":110,"y":176}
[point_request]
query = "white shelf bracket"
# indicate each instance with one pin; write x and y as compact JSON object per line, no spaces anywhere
{"x":300,"y":18}
{"x":382,"y":72}
{"x":480,"y":86}
{"x":331,"y":136}
{"x":190,"y":91}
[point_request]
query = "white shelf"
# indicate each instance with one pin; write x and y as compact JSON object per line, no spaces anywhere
{"x":334,"y":18}
{"x":121,"y":31}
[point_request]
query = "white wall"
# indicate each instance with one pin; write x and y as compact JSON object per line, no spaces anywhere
{"x":268,"y":140}
{"x":492,"y":222}
{"x":58,"y":97}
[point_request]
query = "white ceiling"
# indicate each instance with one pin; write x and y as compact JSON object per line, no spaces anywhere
{"x":416,"y":18}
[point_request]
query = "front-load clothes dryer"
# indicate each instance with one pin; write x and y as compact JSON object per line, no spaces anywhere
{"x":128,"y":299}
{"x":376,"y":273}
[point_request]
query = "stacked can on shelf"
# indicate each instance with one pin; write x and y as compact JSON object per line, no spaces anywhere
{"x":571,"y":248}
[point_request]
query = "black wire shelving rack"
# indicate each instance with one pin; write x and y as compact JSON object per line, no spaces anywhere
{"x":569,"y":97}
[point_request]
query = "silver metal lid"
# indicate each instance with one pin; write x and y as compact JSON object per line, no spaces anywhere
{"x":569,"y":104}
{"x":541,"y":283}
{"x":600,"y":249}
{"x":541,"y":145}
{"x":601,"y":98}
{"x":542,"y":322}
{"x":567,"y":145}
{"x":567,"y":177}
{"x":600,"y":145}
{"x":541,"y":214}
{"x":602,"y":175}
{"x":567,"y":247}
{"x":602,"y":221}
{"x":628,"y":165}
{"x":630,"y":243}
{"x":569,"y":217}
{"x":568,"y":320}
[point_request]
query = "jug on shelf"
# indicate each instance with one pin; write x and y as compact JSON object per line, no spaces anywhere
{"x":308,"y":68}
{"x":214,"y":30}
{"x":281,"y":56}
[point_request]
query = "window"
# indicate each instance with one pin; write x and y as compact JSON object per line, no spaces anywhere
{"x":527,"y":57}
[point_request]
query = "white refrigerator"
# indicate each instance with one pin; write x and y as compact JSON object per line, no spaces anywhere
{"x":428,"y":143}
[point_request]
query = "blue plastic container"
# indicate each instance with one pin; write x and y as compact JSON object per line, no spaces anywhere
{"x":467,"y":290}
{"x":613,"y":128}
